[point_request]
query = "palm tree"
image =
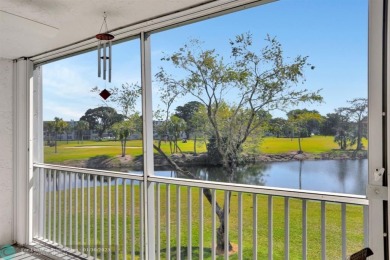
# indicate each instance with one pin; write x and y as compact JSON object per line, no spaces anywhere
{"x":81,"y":127}
{"x":59,"y":127}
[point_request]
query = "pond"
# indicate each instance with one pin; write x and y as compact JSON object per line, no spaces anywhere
{"x":341,"y":176}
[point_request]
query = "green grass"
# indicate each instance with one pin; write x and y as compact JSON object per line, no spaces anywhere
{"x":314,"y":144}
{"x":88,"y":149}
{"x":333,"y":223}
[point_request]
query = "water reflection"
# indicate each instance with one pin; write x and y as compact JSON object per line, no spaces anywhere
{"x":341,"y":176}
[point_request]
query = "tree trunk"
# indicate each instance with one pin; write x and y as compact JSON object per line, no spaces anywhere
{"x":195,"y":144}
{"x":55,"y":144}
{"x":299,"y":144}
{"x":221,"y":243}
{"x":220,"y":212}
{"x":359,"y":145}
{"x":123,"y":146}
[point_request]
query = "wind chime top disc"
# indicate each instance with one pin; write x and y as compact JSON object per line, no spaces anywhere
{"x":104,"y":36}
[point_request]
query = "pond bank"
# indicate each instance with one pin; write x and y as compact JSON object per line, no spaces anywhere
{"x":104,"y":162}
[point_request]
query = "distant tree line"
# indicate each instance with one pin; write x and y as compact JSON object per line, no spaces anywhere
{"x":348,"y":125}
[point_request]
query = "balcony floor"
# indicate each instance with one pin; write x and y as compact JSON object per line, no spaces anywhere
{"x":16,"y":252}
{"x":35,"y":251}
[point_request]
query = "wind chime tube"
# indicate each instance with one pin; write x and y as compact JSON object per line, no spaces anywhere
{"x":99,"y":60}
{"x":104,"y":61}
{"x":109,"y":60}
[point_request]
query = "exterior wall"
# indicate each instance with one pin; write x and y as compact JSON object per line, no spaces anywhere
{"x":6,"y":151}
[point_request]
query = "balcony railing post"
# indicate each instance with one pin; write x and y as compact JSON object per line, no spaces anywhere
{"x":343,"y":231}
{"x":70,"y":211}
{"x":270,"y":228}
{"x":116,"y":219}
{"x":226,"y":221}
{"x":201,"y":208}
{"x":124,"y":223}
{"x":76,"y":213}
{"x":178,"y":223}
{"x":41,"y":200}
{"x":132,"y":207}
{"x":50,"y":191}
{"x":240,"y":225}
{"x":82,"y":214}
{"x":158,"y":221}
{"x":323,"y":230}
{"x":304,"y":229}
{"x":168,"y":220}
{"x":102,"y":250}
{"x":55,"y":191}
{"x":109,"y":245}
{"x":189,"y":223}
{"x":95,"y":213}
{"x":213,"y":224}
{"x":254,"y":242}
{"x":65,"y":210}
{"x":286,"y":228}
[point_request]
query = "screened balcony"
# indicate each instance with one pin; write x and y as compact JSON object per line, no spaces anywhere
{"x":61,"y":204}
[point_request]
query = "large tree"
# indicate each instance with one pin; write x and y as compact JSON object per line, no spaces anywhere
{"x":236,"y":92}
{"x":101,"y":119}
{"x":187,"y":112}
{"x":330,"y":124}
{"x":301,"y":121}
{"x":124,"y":129}
{"x":352,"y":127}
{"x":310,"y":124}
{"x":177,"y":126}
{"x":278,"y":127}
{"x":200,"y":126}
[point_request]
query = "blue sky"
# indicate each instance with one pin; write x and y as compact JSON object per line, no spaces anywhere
{"x":333,"y":33}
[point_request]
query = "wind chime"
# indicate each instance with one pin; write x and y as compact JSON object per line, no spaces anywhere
{"x":105,"y":46}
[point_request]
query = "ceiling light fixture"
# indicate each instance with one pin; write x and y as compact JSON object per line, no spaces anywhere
{"x":105,"y":45}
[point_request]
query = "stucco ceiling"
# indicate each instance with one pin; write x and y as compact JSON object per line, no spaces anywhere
{"x":30,"y":27}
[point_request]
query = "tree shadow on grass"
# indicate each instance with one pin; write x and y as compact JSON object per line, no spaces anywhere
{"x":184,"y":252}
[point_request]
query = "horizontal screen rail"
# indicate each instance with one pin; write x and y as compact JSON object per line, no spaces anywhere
{"x":292,"y":193}
{"x":114,"y":174}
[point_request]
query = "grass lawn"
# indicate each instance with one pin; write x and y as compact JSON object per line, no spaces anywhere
{"x":314,"y":144}
{"x":333,"y":223}
{"x":88,"y":149}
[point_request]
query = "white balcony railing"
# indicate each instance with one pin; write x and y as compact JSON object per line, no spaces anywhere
{"x":100,"y":214}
